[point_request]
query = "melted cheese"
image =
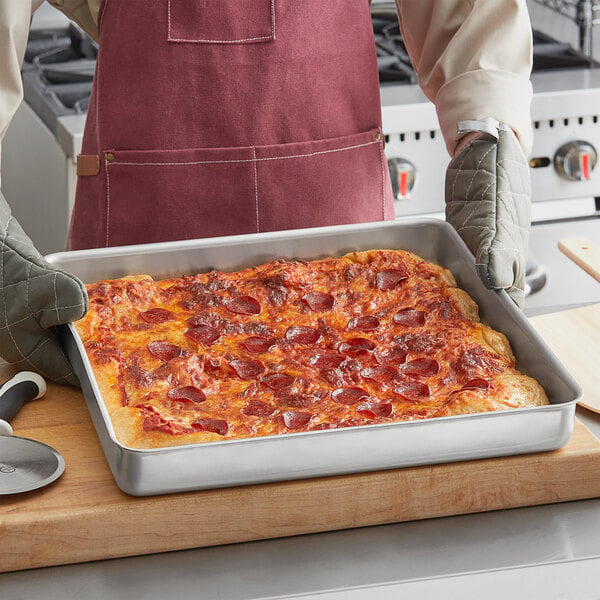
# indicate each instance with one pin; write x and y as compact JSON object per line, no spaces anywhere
{"x":371,"y":337}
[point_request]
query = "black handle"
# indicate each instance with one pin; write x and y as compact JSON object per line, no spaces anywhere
{"x":19,"y":389}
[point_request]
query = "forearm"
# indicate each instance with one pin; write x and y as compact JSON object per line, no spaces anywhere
{"x":473,"y":59}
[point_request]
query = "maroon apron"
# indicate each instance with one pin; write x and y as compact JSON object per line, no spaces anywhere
{"x":217,"y":117}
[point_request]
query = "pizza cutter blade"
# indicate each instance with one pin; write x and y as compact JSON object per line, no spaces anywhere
{"x":25,"y":464}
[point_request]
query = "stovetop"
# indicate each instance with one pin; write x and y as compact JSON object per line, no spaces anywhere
{"x":58,"y":71}
{"x":393,"y":61}
{"x":395,"y":66}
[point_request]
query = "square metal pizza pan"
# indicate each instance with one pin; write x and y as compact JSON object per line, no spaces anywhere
{"x":338,"y":451}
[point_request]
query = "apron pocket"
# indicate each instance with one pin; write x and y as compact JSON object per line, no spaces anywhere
{"x":221,"y":21}
{"x":161,"y":195}
{"x":324,"y":182}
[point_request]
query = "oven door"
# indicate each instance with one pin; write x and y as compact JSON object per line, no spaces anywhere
{"x":566,"y":285}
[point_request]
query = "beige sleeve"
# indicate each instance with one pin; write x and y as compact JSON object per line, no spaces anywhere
{"x":473,"y":59}
{"x":15,"y":17}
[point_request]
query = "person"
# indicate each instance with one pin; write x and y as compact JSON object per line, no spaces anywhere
{"x":240,"y":116}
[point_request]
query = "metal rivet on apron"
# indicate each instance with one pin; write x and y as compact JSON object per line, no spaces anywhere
{"x":377,"y":136}
{"x":109,"y":156}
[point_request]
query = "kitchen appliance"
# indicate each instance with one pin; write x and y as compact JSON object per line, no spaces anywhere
{"x":47,"y":131}
{"x":564,"y":176}
{"x":564,"y":113}
{"x":332,"y":452}
{"x":40,"y":147}
{"x":25,"y":464}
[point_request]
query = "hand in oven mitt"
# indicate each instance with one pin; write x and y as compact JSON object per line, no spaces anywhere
{"x":488,"y":202}
{"x":34,"y":297}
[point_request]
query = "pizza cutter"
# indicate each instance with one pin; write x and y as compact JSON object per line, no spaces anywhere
{"x":25,"y":464}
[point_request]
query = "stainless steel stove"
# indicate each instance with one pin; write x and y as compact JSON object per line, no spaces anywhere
{"x":565,"y":115}
{"x":58,"y":71}
{"x":565,"y":180}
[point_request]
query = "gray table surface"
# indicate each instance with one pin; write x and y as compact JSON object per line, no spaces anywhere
{"x":550,"y":551}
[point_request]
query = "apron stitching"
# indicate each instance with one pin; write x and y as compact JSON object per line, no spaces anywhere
{"x":263,"y":37}
{"x":382,"y":181}
{"x":168,"y":19}
{"x":256,"y":190}
{"x":251,"y":39}
{"x":107,"y":200}
{"x":242,"y":160}
{"x":272,"y":19}
{"x":98,"y":103}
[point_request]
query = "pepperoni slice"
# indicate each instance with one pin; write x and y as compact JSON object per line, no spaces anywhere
{"x":257,"y":408}
{"x":258,"y":344}
{"x":296,"y":400}
{"x":424,"y":367}
{"x":213,"y":425}
{"x":394,"y":356}
{"x":163,"y":350}
{"x":476,"y":384}
{"x":318,"y":301}
{"x":243,"y":305}
{"x":104,"y":355}
{"x":301,"y":334}
{"x":157,"y":315}
{"x":294,"y":419}
{"x":374,"y":409}
{"x":202,"y":334}
{"x":356,"y":346}
{"x":390,"y":278}
{"x":410,"y":317}
{"x":139,"y":377}
{"x":379,"y":374}
{"x":187,"y":393}
{"x":247,"y":369}
{"x":154,"y":422}
{"x":443,"y":308}
{"x":326,"y":360}
{"x":412,"y":390}
{"x":365,"y":323}
{"x":278,"y":381}
{"x":349,"y":395}
{"x":474,"y":360}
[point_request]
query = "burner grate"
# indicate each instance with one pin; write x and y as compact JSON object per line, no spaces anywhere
{"x":392,"y":58}
{"x":548,"y":54}
{"x":58,"y":71}
{"x":395,"y":65}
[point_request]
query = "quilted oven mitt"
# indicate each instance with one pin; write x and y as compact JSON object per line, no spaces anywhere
{"x":34,"y":297}
{"x":488,"y":202}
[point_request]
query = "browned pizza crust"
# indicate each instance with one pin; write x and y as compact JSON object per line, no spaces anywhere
{"x":371,"y":337}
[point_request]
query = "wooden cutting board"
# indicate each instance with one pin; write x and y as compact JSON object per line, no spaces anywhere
{"x":574,"y":336}
{"x":84,"y":516}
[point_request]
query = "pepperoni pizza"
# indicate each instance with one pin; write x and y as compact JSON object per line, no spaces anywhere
{"x":289,"y":346}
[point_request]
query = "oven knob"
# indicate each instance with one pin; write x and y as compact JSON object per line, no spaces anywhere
{"x":402,"y":175}
{"x":575,"y":160}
